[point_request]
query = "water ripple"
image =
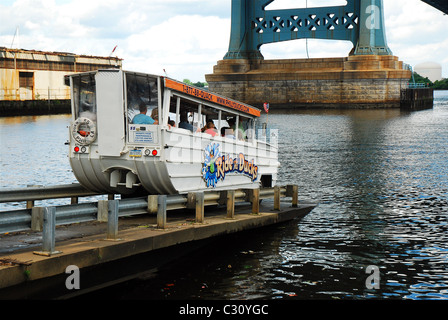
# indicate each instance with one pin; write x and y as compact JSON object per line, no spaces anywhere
{"x":381,"y":180}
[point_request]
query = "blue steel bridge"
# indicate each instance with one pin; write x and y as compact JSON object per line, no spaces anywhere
{"x":442,"y":5}
{"x":359,"y":21}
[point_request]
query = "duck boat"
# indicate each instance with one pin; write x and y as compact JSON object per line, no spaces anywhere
{"x":113,"y":151}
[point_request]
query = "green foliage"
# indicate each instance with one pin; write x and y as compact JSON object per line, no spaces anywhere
{"x":440,"y":84}
{"x":196,"y":84}
{"x":436,"y":85}
{"x":419,"y":79}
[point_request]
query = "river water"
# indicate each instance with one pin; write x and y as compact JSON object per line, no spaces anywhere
{"x":380,"y":178}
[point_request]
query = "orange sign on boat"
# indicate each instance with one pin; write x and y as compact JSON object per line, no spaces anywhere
{"x":198,"y":93}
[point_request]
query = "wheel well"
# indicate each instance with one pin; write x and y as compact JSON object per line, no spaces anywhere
{"x":266,"y":181}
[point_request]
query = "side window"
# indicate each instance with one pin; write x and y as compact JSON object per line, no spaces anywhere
{"x":84,"y":90}
{"x":181,"y":113}
{"x":237,"y":127}
{"x":142,"y":97}
{"x":187,"y":114}
{"x":210,"y":121}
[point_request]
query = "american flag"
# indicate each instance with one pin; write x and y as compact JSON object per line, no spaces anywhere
{"x":113,"y":50}
{"x":266,"y":107}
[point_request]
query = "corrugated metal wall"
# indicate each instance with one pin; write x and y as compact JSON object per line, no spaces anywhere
{"x":36,"y":75}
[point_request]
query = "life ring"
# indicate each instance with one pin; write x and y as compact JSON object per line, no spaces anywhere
{"x":84,"y":131}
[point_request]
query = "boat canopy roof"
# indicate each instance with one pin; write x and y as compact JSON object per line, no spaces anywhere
{"x":212,"y":97}
{"x":192,"y":91}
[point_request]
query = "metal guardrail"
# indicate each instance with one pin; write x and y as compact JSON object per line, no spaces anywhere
{"x":45,"y":219}
{"x":20,"y":220}
{"x":417,"y":85}
{"x":33,"y":193}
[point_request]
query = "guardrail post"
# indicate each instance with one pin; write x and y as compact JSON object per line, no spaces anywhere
{"x":103,"y":209}
{"x":292,"y":191}
{"x":199,"y":207}
{"x":231,"y":204}
{"x":37,"y":218}
{"x":295,"y":196}
{"x":112,"y":220}
{"x":153,"y":203}
{"x":74,"y":200}
{"x":255,"y":201}
{"x":48,"y":232}
{"x":191,"y":200}
{"x":276,"y":198}
{"x":161,"y":211}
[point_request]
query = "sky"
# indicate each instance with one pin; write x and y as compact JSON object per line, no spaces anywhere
{"x":187,"y":37}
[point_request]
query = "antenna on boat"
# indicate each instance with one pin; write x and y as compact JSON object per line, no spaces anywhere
{"x":266,"y":108}
{"x":113,"y":50}
{"x":166,"y":74}
{"x":14,"y":37}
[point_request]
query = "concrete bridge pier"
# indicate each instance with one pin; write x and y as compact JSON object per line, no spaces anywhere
{"x":356,"y":81}
{"x":369,"y":77}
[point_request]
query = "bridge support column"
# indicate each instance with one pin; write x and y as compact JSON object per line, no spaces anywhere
{"x":361,"y":81}
{"x":372,"y":35}
{"x":369,"y":77}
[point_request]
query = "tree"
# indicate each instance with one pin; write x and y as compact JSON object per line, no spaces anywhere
{"x":436,"y":85}
{"x":440,"y":84}
{"x":196,"y":84}
{"x":419,"y":79}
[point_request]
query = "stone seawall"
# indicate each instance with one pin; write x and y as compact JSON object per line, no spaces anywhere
{"x":352,"y":82}
{"x":34,"y":107}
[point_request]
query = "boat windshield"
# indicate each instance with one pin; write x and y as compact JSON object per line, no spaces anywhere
{"x":141,"y":92}
{"x":84,"y":96}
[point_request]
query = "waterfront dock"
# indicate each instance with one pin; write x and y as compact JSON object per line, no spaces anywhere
{"x":139,"y":245}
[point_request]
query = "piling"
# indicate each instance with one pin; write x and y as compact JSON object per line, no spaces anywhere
{"x":161,"y":211}
{"x":230,"y":204}
{"x":417,"y":98}
{"x":112,"y":220}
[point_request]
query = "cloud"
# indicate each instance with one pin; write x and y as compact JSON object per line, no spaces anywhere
{"x":181,"y":43}
{"x":415,"y":32}
{"x":187,"y":37}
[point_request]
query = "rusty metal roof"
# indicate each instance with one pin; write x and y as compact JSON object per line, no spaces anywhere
{"x":38,"y":55}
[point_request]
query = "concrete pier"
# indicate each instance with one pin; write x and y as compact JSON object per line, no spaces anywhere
{"x":363,"y":81}
{"x":24,"y":274}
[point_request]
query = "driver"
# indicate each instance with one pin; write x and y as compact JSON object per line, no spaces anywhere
{"x":142,"y":118}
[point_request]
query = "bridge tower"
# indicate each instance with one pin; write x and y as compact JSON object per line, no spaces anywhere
{"x":370,"y":62}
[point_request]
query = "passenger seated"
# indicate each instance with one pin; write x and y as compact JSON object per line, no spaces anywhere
{"x":155,"y":115}
{"x":239,"y":131}
{"x":227,"y":132}
{"x":184,"y":124}
{"x":210,"y":129}
{"x":142,"y":118}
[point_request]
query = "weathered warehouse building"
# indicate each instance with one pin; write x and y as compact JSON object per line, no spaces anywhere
{"x":32,"y":82}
